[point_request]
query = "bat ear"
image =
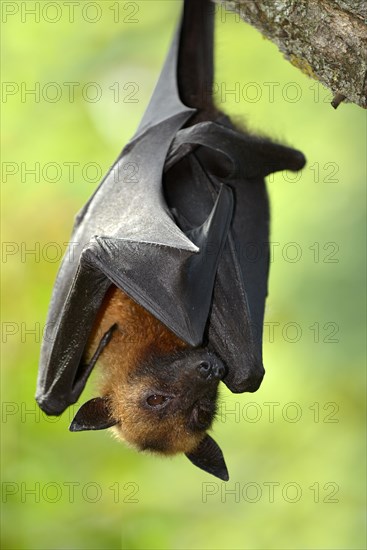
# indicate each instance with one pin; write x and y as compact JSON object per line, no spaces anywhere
{"x":93,"y":415}
{"x":209,"y":458}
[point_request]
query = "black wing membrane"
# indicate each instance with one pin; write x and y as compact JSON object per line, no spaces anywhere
{"x":192,"y":182}
{"x":126,"y":235}
{"x":176,"y":243}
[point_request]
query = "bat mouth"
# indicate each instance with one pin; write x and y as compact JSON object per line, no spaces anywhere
{"x":201,"y":419}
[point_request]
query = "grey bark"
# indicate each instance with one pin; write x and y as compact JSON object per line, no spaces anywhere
{"x":325,"y":39}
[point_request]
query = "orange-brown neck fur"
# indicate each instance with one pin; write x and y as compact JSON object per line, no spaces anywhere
{"x":138,"y":334}
{"x":138,"y":337}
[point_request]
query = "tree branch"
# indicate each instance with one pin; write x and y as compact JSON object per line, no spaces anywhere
{"x":325,"y":39}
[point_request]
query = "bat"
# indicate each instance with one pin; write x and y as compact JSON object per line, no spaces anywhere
{"x":159,"y":253}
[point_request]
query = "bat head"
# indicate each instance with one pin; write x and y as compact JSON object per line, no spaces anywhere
{"x":164,"y":406}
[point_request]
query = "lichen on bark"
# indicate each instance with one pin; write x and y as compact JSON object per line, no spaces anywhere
{"x":325,"y":39}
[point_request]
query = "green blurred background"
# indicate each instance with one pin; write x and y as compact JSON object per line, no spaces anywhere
{"x":295,"y":449}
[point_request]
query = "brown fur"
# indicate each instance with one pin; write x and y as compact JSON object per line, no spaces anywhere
{"x":139,"y":336}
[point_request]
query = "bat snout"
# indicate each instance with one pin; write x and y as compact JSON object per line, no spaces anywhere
{"x":211,"y":370}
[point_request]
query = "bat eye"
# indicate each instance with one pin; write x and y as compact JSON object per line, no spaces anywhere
{"x":157,"y":400}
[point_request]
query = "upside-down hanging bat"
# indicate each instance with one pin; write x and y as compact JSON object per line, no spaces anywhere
{"x":161,"y":255}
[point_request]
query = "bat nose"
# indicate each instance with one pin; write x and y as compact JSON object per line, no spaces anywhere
{"x":209,"y":370}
